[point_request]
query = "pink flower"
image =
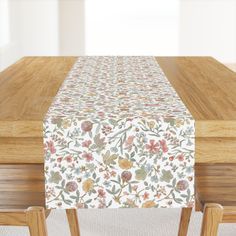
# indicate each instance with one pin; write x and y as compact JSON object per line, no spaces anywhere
{"x":180,"y":157}
{"x":87,"y":156}
{"x":106,"y":129}
{"x":129,"y":141}
{"x":106,"y":176}
{"x":135,"y":187}
{"x":59,"y":159}
{"x":163,"y":145}
{"x":190,"y":204}
{"x":69,"y":158}
{"x":153,"y":146}
{"x":182,"y":185}
{"x":86,"y":143}
{"x":71,"y":186}
{"x":101,"y":193}
{"x":101,"y":114}
{"x":51,"y":147}
{"x":80,"y":205}
{"x":87,"y":126}
{"x":126,"y":176}
{"x":145,"y":196}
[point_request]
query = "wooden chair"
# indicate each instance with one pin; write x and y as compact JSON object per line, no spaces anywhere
{"x":213,"y":215}
{"x":215,"y":197}
{"x":35,"y":219}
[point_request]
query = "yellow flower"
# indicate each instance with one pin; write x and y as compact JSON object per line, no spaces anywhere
{"x":88,"y":185}
{"x":148,"y":204}
{"x":151,"y":124}
{"x":179,"y":122}
{"x":66,"y":124}
{"x":125,"y":164}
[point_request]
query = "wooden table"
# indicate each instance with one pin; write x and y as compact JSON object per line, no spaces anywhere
{"x":28,"y":87}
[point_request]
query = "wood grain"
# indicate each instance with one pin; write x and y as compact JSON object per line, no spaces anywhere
{"x":207,"y":88}
{"x":184,"y":221}
{"x":13,"y":217}
{"x":72,"y":218}
{"x":215,"y":150}
{"x":216,"y":183}
{"x":21,"y":150}
{"x":33,"y":217}
{"x":36,"y":221}
{"x":212,"y":217}
{"x":21,"y":186}
{"x":229,"y":215}
{"x":26,"y":91}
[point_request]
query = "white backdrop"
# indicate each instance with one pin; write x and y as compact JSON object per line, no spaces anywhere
{"x":115,"y":27}
{"x":132,"y":27}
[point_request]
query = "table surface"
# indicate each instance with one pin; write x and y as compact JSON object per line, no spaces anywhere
{"x":206,"y":87}
{"x":28,"y":87}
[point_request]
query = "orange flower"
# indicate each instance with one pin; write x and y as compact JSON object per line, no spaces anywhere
{"x":125,"y":164}
{"x":129,"y":141}
{"x":88,"y":185}
{"x":148,"y":204}
{"x":145,"y":196}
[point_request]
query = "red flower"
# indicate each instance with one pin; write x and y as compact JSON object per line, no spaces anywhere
{"x":163,"y":145}
{"x":171,"y":158}
{"x":86,"y":143}
{"x":153,"y":146}
{"x":59,"y":159}
{"x":88,"y":156}
{"x":51,"y":147}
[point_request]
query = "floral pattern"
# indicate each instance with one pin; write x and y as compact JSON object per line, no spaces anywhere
{"x":117,"y":135}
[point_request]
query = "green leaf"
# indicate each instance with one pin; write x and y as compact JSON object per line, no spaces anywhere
{"x":109,"y":159}
{"x":141,"y":174}
{"x":166,"y":176}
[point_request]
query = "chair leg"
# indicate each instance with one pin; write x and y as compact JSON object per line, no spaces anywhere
{"x":212,"y":217}
{"x":36,"y":221}
{"x":72,"y":218}
{"x":184,"y":221}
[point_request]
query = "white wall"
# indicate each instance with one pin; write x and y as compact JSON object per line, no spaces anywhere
{"x":71,"y":27}
{"x":132,"y":27}
{"x":10,"y":52}
{"x":33,"y":27}
{"x":160,"y":27}
{"x":208,"y":27}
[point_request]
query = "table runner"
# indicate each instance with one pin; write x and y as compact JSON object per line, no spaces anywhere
{"x":117,"y":135}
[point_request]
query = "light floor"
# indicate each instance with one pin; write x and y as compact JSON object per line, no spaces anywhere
{"x":122,"y":222}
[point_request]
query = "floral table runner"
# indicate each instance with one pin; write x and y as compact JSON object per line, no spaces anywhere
{"x":118,"y":136}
